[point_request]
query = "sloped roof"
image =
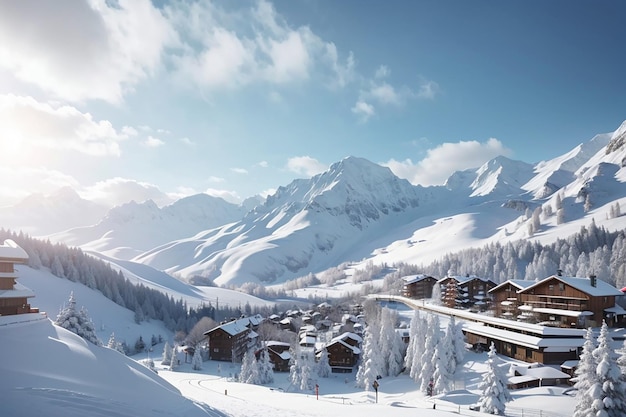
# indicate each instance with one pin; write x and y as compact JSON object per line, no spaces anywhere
{"x":238,"y":326}
{"x":409,"y":279}
{"x":601,"y":289}
{"x":11,"y":251}
{"x":520,"y":284}
{"x":18,"y":291}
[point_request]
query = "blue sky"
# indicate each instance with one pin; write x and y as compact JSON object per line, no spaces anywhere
{"x":138,"y":99}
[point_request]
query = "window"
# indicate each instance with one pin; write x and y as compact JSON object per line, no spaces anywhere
{"x":529,"y":353}
{"x":551,"y":287}
{"x":561,"y":286}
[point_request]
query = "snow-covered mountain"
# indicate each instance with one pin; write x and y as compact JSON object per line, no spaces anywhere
{"x":360,"y":210}
{"x":133,"y":228}
{"x":40,"y":214}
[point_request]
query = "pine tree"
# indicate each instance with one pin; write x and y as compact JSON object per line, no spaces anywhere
{"x":410,"y":350}
{"x":306,"y":372}
{"x":457,"y":340}
{"x":442,"y":380}
{"x":77,"y":321}
{"x":249,"y":373}
{"x":585,"y":376}
{"x":371,"y":363}
{"x":323,"y":367}
{"x":196,"y":360}
{"x":494,"y":389}
{"x":174,"y":359}
{"x":418,"y":349}
{"x":607,"y":393}
{"x":167,"y":354}
{"x":295,"y":373}
{"x":390,"y":348}
{"x":432,"y":338}
{"x":266,"y":369}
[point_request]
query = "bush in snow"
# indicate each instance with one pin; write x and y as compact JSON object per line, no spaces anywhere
{"x":149,"y":363}
{"x":77,"y":321}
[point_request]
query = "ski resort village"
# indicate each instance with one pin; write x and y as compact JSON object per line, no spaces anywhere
{"x":266,"y":208}
{"x":421,"y":346}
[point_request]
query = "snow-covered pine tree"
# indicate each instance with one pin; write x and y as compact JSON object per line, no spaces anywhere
{"x":607,"y":393}
{"x":294,"y":365}
{"x":435,"y":297}
{"x":371,"y":365}
{"x":457,"y":340}
{"x":167,"y":354}
{"x":77,"y":321}
{"x":266,"y":369}
{"x":432,"y":338}
{"x":173,"y":360}
{"x":442,"y":379}
{"x":585,"y":376}
{"x":390,"y":348}
{"x":323,"y":366}
{"x":494,"y":391}
{"x":410,"y":350}
{"x":306,"y":372}
{"x":114,"y":344}
{"x":418,"y":349}
{"x":249,"y":373}
{"x":196,"y":360}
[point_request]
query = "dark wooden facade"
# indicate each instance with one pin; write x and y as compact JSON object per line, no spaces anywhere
{"x":505,"y":299}
{"x":418,"y":286}
{"x":572,"y":302}
{"x":230,"y":341}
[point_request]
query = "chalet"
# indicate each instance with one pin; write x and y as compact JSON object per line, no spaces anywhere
{"x":451,"y":294}
{"x":505,"y":300}
{"x":230,"y":341}
{"x":343,"y":352}
{"x":527,"y":342}
{"x":279,"y":355}
{"x":535,"y":375}
{"x":475,"y":290}
{"x":418,"y":286}
{"x":13,"y":295}
{"x":572,"y":302}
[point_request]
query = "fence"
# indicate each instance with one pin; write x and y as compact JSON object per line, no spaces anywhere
{"x":465,"y":410}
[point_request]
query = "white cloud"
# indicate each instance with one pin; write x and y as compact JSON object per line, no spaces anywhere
{"x":42,"y":125}
{"x":215,"y":179}
{"x":305,"y":165}
{"x":263,"y":164}
{"x":364,"y":110}
{"x":239,"y":170}
{"x":224,"y":49}
{"x":116,"y":191}
{"x":20,"y":181}
{"x":83,"y":50}
{"x":187,"y":141}
{"x":228,"y":195}
{"x":152,"y":142}
{"x":445,"y":159}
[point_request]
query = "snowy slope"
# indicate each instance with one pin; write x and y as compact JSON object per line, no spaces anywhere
{"x":51,"y":371}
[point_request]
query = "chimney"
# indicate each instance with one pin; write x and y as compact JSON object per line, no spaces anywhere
{"x":559,"y":272}
{"x":592,"y":280}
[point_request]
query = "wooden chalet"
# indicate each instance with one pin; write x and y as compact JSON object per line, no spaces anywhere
{"x":574,"y":302}
{"x":343,"y":352}
{"x":476,"y":290}
{"x":13,"y":295}
{"x":279,"y":355}
{"x":505,"y":300}
{"x":418,"y":286}
{"x":230,"y":341}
